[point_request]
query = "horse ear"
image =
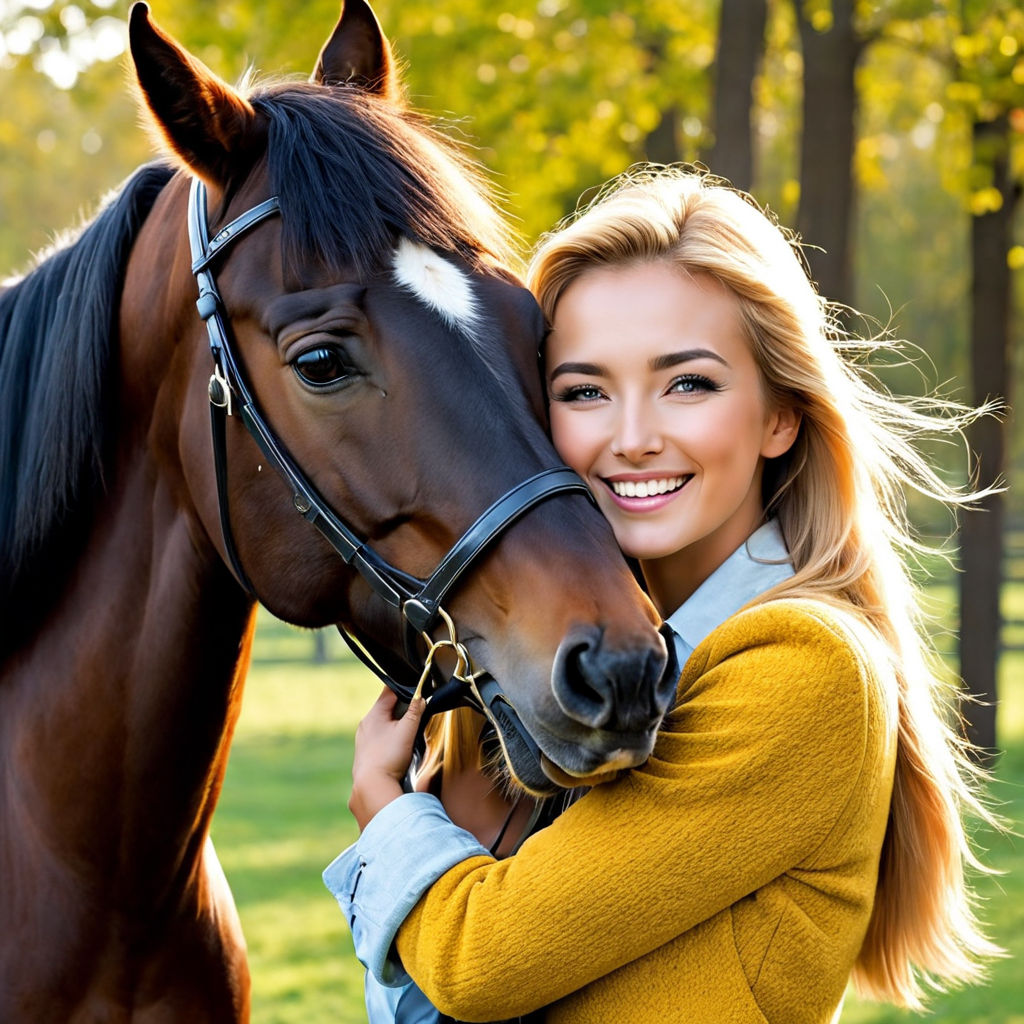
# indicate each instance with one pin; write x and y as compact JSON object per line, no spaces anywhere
{"x":358,"y":53}
{"x":206,"y":123}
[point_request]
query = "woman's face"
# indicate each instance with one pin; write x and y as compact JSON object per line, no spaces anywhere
{"x":657,"y":403}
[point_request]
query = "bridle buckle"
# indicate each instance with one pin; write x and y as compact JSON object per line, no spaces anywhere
{"x":220,"y":390}
{"x":463,"y":663}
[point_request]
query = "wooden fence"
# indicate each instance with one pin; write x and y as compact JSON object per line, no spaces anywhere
{"x":1013,"y":589}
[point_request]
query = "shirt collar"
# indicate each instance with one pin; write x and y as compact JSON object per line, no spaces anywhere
{"x":757,"y":565}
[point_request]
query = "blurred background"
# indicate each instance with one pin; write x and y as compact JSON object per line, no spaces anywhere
{"x":888,"y":133}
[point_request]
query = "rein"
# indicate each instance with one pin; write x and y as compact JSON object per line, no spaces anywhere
{"x":418,"y":602}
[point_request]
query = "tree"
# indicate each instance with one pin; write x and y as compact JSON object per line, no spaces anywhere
{"x":992,"y":365}
{"x":990,"y":82}
{"x":831,"y":48}
{"x":553,"y":96}
{"x":739,"y":47}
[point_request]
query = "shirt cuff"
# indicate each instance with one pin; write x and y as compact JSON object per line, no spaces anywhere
{"x":407,"y":846}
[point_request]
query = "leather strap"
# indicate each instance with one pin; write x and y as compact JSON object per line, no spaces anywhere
{"x":421,"y":610}
{"x":211,"y":249}
{"x":418,"y":601}
{"x":218,"y":419}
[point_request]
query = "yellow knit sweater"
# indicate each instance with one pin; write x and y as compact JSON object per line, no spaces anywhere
{"x":728,"y":880}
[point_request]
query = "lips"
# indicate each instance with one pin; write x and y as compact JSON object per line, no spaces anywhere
{"x":646,"y":494}
{"x":647,"y":488}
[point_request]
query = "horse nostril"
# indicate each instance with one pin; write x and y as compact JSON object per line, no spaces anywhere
{"x":583,"y":694}
{"x":602,"y":686}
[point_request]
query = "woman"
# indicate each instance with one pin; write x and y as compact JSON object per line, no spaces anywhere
{"x":799,"y":821}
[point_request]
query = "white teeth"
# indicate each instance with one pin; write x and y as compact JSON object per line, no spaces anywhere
{"x":647,"y":488}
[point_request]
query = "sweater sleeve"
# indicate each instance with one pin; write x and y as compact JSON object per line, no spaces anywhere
{"x":750,"y":772}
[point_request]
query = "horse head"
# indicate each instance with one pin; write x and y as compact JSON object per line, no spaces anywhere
{"x":381,"y":339}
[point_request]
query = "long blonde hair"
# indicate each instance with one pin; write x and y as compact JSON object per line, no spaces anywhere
{"x":839,"y":497}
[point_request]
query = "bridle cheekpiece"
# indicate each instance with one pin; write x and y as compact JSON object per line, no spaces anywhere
{"x":418,"y":602}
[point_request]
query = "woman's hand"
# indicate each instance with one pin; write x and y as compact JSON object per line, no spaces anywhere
{"x":383,"y":752}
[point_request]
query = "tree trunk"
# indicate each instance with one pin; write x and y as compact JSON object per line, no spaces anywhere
{"x":992,"y":361}
{"x":662,"y":144}
{"x":826,"y":159}
{"x":738,"y":52}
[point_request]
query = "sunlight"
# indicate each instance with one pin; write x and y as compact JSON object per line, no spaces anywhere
{"x":62,"y":61}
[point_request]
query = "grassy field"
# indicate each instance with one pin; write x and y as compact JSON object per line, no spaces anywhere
{"x":283,"y":817}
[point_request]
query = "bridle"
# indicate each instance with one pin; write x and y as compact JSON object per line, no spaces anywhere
{"x":418,"y":602}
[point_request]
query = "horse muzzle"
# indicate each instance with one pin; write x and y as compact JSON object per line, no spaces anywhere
{"x":608,"y":705}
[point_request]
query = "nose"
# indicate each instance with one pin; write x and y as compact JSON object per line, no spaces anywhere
{"x":602,"y":686}
{"x":637,"y":433}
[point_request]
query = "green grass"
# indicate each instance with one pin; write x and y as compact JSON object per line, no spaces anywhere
{"x":283,"y":817}
{"x":1001,"y":1000}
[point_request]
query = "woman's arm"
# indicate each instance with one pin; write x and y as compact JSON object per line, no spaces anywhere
{"x":376,"y":901}
{"x":751,"y":772}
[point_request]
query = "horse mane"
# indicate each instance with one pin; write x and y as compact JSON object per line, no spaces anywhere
{"x":353,"y":172}
{"x":57,"y":326}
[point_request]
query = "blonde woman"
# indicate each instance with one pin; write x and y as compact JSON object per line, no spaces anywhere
{"x":799,"y":823}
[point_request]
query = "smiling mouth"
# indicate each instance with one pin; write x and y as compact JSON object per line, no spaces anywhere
{"x":647,"y":488}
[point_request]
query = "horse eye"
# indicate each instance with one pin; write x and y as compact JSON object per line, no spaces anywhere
{"x":322,"y":366}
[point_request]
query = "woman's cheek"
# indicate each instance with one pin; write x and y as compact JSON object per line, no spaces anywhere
{"x":569,"y":440}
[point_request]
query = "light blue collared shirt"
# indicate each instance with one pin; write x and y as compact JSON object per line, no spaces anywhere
{"x":757,"y":565}
{"x":411,"y":843}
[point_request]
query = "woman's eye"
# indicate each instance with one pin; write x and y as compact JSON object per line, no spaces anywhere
{"x":692,"y":384}
{"x":321,"y":367}
{"x":578,"y":393}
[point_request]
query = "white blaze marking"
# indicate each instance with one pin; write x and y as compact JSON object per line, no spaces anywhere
{"x":437,"y":283}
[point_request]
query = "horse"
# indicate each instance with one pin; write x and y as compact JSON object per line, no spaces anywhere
{"x":357,"y":390}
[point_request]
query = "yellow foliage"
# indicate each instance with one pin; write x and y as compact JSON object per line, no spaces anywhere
{"x":967,"y":48}
{"x":867,"y":161}
{"x":964,"y":92}
{"x":985,"y":200}
{"x":821,"y":20}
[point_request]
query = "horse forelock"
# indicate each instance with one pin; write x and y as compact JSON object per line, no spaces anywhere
{"x":354,"y":174}
{"x":368,"y":188}
{"x":57,"y":326}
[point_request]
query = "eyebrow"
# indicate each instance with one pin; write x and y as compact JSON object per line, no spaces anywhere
{"x":664,"y":362}
{"x":585,"y":369}
{"x":671,"y":359}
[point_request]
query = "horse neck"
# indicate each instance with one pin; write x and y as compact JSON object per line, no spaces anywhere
{"x":131,"y":688}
